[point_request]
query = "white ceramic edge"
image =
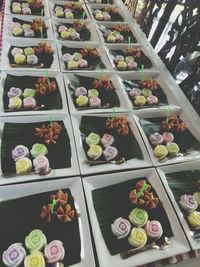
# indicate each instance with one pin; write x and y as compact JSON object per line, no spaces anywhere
{"x":189,"y":111}
{"x":51,"y":6}
{"x":5,"y":65}
{"x":129,"y":164}
{"x":179,"y":242}
{"x":90,"y":26}
{"x":162,"y":171}
{"x":101,"y":51}
{"x":59,"y":79}
{"x":176,"y":160}
{"x":7,"y":34}
{"x":75,"y":186}
{"x":171,"y":97}
{"x":46,"y":10}
{"x":91,"y":7}
{"x":124,"y":107}
{"x":112,"y":25}
{"x":55,"y":173}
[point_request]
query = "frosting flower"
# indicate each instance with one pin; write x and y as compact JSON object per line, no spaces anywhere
{"x":14,"y":255}
{"x":194,"y":219}
{"x":36,"y":240}
{"x":138,"y":237}
{"x":14,"y":91}
{"x":138,"y":217}
{"x":160,"y":151}
{"x":110,"y":152}
{"x":23,"y":165}
{"x":35,"y":259}
{"x":92,"y":139}
{"x":188,"y":203}
{"x":154,"y":229}
{"x":54,"y":251}
{"x":197,"y":197}
{"x":121,"y":228}
{"x":60,"y":197}
{"x":168,"y":137}
{"x":19,"y":152}
{"x":95,"y":152}
{"x":107,"y":140}
{"x":173,"y":149}
{"x":65,"y":214}
{"x":39,"y":150}
{"x":156,"y":139}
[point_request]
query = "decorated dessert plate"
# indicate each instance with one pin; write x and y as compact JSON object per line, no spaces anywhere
{"x":82,"y":57}
{"x":37,"y":148}
{"x":182,"y":183}
{"x":93,"y":93}
{"x":129,"y":58}
{"x":148,"y":92}
{"x":102,"y":142}
{"x":116,"y":33}
{"x":169,"y":138}
{"x":107,"y":13}
{"x":31,"y":93}
{"x":129,"y":211}
{"x":69,"y":11}
{"x":50,"y":225}
{"x":77,"y":31}
{"x":29,"y":27}
{"x":27,"y":8}
{"x":32,"y":55}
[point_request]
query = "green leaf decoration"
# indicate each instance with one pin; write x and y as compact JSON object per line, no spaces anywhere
{"x":59,"y":155}
{"x":97,"y":125}
{"x":106,"y":96}
{"x":112,"y":202}
{"x":25,"y":213}
{"x":51,"y":100}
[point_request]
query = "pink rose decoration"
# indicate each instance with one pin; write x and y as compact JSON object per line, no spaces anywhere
{"x":14,"y":255}
{"x":168,"y":137}
{"x":54,"y":251}
{"x":154,"y":229}
{"x":156,"y":139}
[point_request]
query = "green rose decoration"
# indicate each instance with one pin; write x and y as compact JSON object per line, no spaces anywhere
{"x":35,"y":241}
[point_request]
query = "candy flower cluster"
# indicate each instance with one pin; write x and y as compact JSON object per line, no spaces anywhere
{"x":191,"y":205}
{"x":143,"y":229}
{"x":36,"y":252}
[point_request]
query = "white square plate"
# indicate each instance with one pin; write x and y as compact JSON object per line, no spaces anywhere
{"x":129,"y":164}
{"x":5,"y":64}
{"x":56,"y":75}
{"x":171,"y":96}
{"x":55,"y":173}
{"x":103,"y":56}
{"x":124,"y":107}
{"x":74,"y":184}
{"x":45,"y":3}
{"x":194,"y":155}
{"x":163,"y":172}
{"x":89,"y":25}
{"x":179,"y":243}
{"x":8,"y":21}
{"x":62,"y":3}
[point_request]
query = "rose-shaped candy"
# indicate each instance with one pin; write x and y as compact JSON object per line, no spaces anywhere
{"x":197,"y":197}
{"x":14,"y":91}
{"x":138,"y":217}
{"x":95,"y":152}
{"x":121,"y":228}
{"x":173,"y":149}
{"x":54,"y":251}
{"x":14,"y":255}
{"x":138,"y":237}
{"x":92,"y":139}
{"x":194,"y":219}
{"x":107,"y":140}
{"x":154,"y":229}
{"x":168,"y":137}
{"x":160,"y":151}
{"x":188,"y":203}
{"x":36,"y":240}
{"x":38,"y":150}
{"x":35,"y":259}
{"x":156,"y":139}
{"x":19,"y":152}
{"x":110,"y":153}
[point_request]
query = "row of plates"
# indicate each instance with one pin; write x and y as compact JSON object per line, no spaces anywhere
{"x":157,"y":177}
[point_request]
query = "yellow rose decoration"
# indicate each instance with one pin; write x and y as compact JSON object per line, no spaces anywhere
{"x":36,"y":259}
{"x":138,"y":237}
{"x":194,"y":219}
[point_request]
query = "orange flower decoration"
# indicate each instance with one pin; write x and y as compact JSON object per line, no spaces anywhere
{"x":60,"y":197}
{"x":65,"y":213}
{"x":46,"y":212}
